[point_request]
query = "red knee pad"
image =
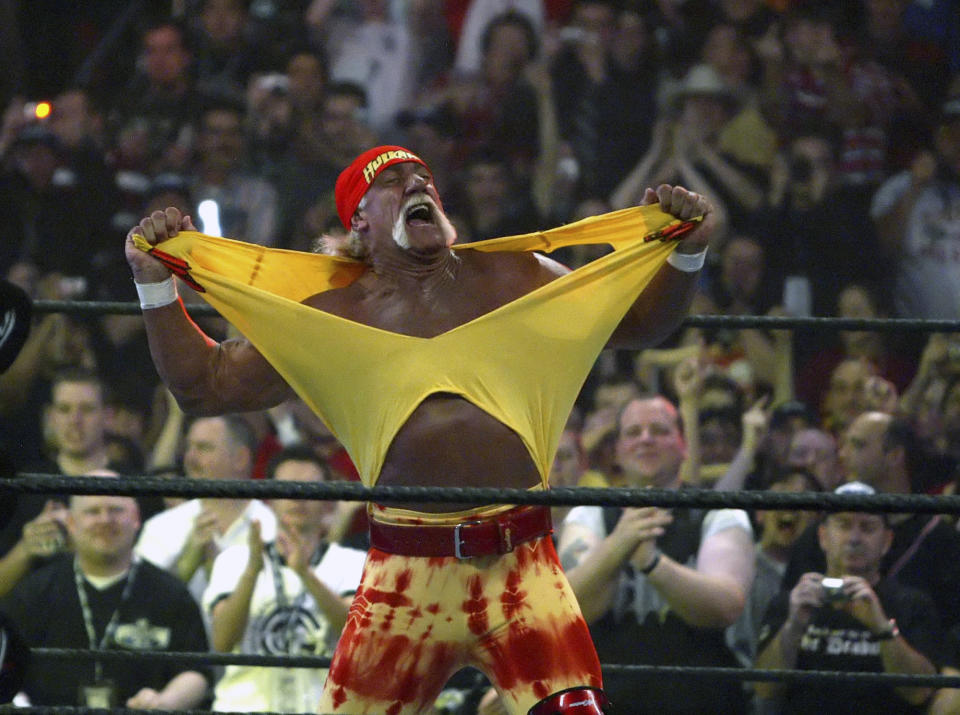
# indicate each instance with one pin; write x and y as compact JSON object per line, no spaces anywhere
{"x":576,"y":701}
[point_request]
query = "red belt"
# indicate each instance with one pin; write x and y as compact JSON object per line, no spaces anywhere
{"x":480,"y":537}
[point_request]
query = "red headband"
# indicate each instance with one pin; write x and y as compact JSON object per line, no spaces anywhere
{"x":354,"y":181}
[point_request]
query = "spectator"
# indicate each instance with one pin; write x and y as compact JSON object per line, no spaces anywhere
{"x":814,"y":227}
{"x":162,"y":95}
{"x":850,"y":617}
{"x":659,"y":587}
{"x":686,"y":146}
{"x":75,"y":422}
{"x":225,"y":49}
{"x":916,"y":213}
{"x":596,"y":74}
{"x":39,"y":203}
{"x":377,"y":53}
{"x":779,"y":530}
{"x":739,"y":286}
{"x":247,"y":204}
{"x":855,"y":301}
{"x":845,"y":397}
{"x":816,"y":450}
{"x":285,"y":597}
{"x":186,"y":539}
{"x":495,"y":205}
{"x":881,"y":451}
{"x":106,"y":599}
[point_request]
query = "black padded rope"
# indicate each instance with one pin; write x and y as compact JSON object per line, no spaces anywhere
{"x":556,"y":496}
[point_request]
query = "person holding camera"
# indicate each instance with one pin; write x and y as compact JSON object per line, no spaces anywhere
{"x":850,"y":619}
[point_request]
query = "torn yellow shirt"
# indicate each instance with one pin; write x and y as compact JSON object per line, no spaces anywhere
{"x":523,"y":363}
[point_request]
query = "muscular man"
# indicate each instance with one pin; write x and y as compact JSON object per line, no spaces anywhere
{"x":462,"y":366}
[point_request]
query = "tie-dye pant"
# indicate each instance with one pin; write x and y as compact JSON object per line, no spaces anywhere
{"x":417,"y":620}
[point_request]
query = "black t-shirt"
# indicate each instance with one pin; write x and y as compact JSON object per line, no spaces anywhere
{"x":663,"y":638}
{"x":835,"y":640}
{"x":923,"y":555}
{"x":159,"y":615}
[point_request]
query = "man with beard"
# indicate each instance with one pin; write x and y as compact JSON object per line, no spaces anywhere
{"x":433,"y":365}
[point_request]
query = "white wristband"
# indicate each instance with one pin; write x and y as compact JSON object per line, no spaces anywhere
{"x":688,"y":262}
{"x":157,"y":295}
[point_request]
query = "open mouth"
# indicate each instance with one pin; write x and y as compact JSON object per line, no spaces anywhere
{"x":419,"y":214}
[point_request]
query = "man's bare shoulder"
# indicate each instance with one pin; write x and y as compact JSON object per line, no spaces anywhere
{"x":530,"y":268}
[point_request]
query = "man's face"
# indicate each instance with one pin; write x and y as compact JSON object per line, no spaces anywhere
{"x":103,"y":527}
{"x":650,"y":446}
{"x":212,"y":454}
{"x":306,"y":80}
{"x":166,"y":57}
{"x":221,"y":138}
{"x":854,"y":543}
{"x":742,"y":267}
{"x":487,"y":184}
{"x":844,"y":398}
{"x":403,"y":204}
{"x":302,"y":514}
{"x":77,"y":418}
{"x":780,"y":528}
{"x":862,"y":454}
{"x":816,"y":451}
{"x":339,"y":118}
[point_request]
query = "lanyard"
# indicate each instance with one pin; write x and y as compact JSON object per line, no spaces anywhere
{"x":88,"y":615}
{"x":282,"y":600}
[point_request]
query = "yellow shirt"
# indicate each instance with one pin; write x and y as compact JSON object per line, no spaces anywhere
{"x":523,"y":363}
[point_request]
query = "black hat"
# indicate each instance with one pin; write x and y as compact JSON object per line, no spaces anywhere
{"x":15,"y":314}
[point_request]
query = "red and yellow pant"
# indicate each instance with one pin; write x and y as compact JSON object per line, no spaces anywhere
{"x":417,"y":620}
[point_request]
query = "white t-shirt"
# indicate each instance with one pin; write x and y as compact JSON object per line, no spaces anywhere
{"x":646,"y":598}
{"x":294,"y":627}
{"x":928,"y":265}
{"x":164,"y":536}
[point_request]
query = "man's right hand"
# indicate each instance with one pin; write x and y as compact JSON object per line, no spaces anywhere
{"x":46,"y":534}
{"x":155,"y":228}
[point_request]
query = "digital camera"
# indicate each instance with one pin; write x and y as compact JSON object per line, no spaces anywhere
{"x":833,"y":590}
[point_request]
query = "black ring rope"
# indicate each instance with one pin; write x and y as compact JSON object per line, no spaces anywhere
{"x":771,"y":322}
{"x":314,"y":661}
{"x":555,"y":496}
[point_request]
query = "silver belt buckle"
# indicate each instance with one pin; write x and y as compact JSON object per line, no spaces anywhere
{"x":458,"y":542}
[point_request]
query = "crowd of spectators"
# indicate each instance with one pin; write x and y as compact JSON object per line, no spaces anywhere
{"x":826,"y":134}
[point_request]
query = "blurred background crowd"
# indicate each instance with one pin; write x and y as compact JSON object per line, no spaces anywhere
{"x":827,"y":135}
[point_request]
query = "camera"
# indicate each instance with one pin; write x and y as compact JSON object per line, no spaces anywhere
{"x":833,"y":590}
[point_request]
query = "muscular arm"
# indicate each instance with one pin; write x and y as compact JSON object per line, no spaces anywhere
{"x":666,"y":299}
{"x":204,"y":376}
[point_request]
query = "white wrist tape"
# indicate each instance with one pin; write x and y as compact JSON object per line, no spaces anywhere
{"x":687,"y":262}
{"x":157,"y":295}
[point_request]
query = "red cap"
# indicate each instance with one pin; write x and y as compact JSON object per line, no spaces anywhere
{"x":354,"y":181}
